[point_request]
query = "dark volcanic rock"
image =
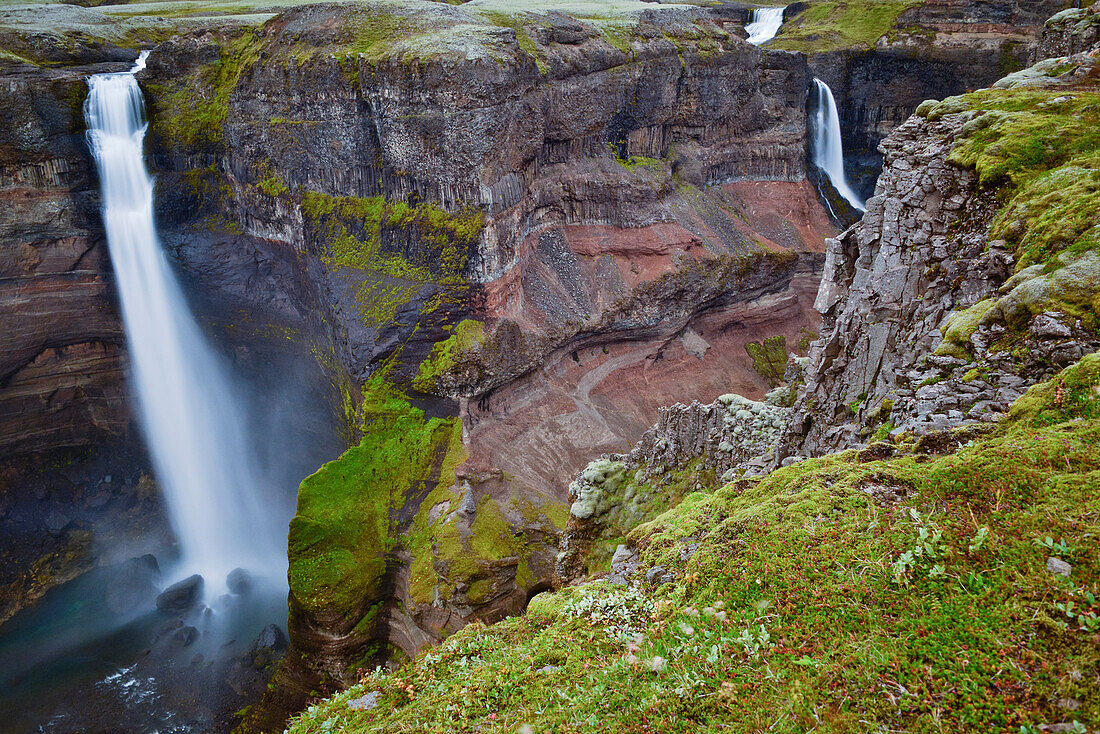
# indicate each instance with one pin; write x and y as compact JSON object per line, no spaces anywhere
{"x":181,"y":596}
{"x":239,"y":581}
{"x":134,"y":585}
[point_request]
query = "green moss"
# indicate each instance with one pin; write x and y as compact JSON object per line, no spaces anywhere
{"x":273,"y":186}
{"x":343,"y":528}
{"x":961,"y":326}
{"x":829,"y":26}
{"x":447,"y":354}
{"x":1072,"y":394}
{"x":352,"y":231}
{"x":1039,"y":150}
{"x":519,"y":24}
{"x":191,"y":110}
{"x":769,"y":358}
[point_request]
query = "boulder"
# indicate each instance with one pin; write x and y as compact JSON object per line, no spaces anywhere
{"x":133,"y":586}
{"x":239,"y":581}
{"x":181,"y":596}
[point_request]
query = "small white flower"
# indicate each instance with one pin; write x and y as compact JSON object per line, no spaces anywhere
{"x":657,"y":664}
{"x":686,"y":628}
{"x":720,"y":616}
{"x":719,"y":605}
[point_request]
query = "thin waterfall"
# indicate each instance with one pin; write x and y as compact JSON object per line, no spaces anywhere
{"x":763,"y":24}
{"x":828,"y":155}
{"x":192,"y":419}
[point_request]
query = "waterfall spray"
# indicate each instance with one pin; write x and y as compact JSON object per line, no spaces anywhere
{"x":190,"y":414}
{"x":763,"y":24}
{"x":828,"y":155}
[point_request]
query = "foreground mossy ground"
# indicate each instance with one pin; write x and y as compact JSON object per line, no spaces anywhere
{"x":908,"y":593}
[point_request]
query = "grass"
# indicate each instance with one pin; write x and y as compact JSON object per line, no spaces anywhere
{"x":809,"y":604}
{"x":836,"y":24}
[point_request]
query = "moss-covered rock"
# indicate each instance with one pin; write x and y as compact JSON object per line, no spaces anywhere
{"x":343,"y":530}
{"x":832,"y":578}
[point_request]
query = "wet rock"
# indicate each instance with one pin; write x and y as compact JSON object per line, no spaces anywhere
{"x":268,"y":646}
{"x":1058,"y":567}
{"x":181,"y":596}
{"x":133,"y":586}
{"x":239,"y":581}
{"x":185,"y":636}
{"x":57,"y":522}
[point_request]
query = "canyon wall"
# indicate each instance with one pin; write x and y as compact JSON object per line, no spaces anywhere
{"x":62,"y":345}
{"x":928,"y":50}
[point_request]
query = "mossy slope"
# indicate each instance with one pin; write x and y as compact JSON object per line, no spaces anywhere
{"x":344,"y":528}
{"x":909,"y":593}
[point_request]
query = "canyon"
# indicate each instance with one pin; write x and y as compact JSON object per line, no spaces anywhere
{"x":505,"y":240}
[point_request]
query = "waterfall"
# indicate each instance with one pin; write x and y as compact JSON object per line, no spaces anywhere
{"x":192,"y":419}
{"x":828,"y":154}
{"x":764,"y":24}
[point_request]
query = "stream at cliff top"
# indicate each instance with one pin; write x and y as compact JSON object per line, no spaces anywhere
{"x":228,"y":445}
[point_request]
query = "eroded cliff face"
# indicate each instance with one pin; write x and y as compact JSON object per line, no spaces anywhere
{"x":930,"y":50}
{"x":522,"y":230}
{"x":973,"y":274}
{"x":62,"y":345}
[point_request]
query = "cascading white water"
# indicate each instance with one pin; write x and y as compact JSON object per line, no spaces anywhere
{"x":763,"y":24}
{"x":828,"y":155}
{"x":193,"y":422}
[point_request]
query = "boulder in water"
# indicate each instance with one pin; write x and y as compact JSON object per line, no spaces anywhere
{"x":133,"y":585}
{"x":239,"y":581}
{"x":181,"y":596}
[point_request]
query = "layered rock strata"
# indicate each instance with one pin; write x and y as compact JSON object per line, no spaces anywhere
{"x":62,"y":346}
{"x":521,"y":226}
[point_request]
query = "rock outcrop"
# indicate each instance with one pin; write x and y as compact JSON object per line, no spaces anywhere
{"x":1072,"y":31}
{"x":944,"y":304}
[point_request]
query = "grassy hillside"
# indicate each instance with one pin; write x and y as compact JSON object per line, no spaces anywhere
{"x":911,"y":592}
{"x":829,"y":25}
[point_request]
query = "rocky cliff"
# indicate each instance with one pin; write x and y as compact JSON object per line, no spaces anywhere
{"x":62,"y":347}
{"x":973,"y":273}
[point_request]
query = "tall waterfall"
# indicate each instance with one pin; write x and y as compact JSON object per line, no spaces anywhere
{"x":193,"y":422}
{"x":764,"y":24}
{"x":828,"y":154}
